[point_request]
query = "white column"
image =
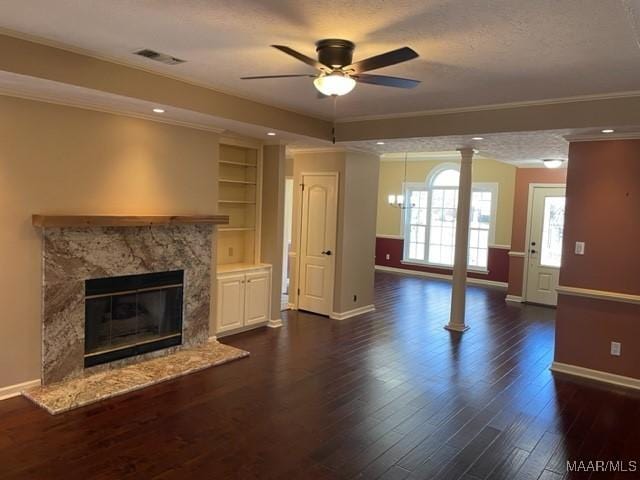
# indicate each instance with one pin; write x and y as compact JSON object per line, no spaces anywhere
{"x":459,"y":283}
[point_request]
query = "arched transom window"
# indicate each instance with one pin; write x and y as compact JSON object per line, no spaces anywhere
{"x":430,"y":221}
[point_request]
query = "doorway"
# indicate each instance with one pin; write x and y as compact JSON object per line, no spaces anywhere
{"x":544,"y":243}
{"x":317,"y":245}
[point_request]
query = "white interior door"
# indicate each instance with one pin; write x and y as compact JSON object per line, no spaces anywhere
{"x":318,"y":242}
{"x":546,"y":225}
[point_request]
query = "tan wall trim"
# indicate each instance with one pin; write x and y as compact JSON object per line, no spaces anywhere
{"x":15,"y":390}
{"x":596,"y":375}
{"x":393,"y":237}
{"x":599,"y":294}
{"x":420,"y":273}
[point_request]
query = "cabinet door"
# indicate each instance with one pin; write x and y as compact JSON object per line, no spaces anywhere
{"x":230,"y":302}
{"x":256,"y":306}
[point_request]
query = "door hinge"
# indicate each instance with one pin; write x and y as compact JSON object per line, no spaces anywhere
{"x":302,"y":184}
{"x":298,"y":291}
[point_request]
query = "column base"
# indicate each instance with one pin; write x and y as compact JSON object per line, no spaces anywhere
{"x":456,"y":328}
{"x":277,"y":323}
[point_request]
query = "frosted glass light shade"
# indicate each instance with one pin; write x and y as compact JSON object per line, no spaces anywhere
{"x":334,"y":84}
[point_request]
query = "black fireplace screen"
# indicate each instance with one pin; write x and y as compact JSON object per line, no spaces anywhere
{"x":132,"y":315}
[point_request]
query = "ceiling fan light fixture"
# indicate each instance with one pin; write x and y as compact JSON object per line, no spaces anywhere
{"x":552,"y":162}
{"x":335,"y":83}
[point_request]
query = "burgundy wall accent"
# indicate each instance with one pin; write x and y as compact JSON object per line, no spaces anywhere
{"x":603,"y":205}
{"x":585,"y":328}
{"x":498,"y":261}
{"x":524,"y":177}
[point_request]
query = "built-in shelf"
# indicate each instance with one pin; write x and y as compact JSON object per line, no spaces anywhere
{"x":237,"y":164}
{"x":236,"y":229}
{"x":239,"y":182}
{"x":238,"y":202}
{"x":124,"y":220}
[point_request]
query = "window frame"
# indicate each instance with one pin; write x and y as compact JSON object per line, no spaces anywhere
{"x":428,"y":186}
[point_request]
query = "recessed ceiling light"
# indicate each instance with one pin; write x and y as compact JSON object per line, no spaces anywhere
{"x":379,"y":143}
{"x":271,"y":134}
{"x":477,"y":138}
{"x":158,"y":110}
{"x":608,"y":130}
{"x":552,"y":162}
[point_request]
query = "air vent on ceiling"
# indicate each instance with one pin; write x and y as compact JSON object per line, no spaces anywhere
{"x":159,"y":57}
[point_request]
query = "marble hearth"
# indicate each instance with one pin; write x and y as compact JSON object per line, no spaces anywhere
{"x":76,"y":249}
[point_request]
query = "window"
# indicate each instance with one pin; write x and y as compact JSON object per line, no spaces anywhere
{"x":552,"y":229}
{"x":430,"y":221}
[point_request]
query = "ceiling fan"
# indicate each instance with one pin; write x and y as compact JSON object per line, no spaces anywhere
{"x":338,"y":74}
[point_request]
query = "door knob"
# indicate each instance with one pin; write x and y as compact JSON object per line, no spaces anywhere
{"x":328,"y":252}
{"x":533,"y":251}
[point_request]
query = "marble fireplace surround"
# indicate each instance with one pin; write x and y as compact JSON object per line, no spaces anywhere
{"x":78,"y":248}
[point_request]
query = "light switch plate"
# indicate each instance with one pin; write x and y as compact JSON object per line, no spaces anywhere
{"x":388,"y":256}
{"x":579,"y":248}
{"x":616,"y":349}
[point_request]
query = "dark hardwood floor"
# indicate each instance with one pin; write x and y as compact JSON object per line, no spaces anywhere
{"x":388,"y":395}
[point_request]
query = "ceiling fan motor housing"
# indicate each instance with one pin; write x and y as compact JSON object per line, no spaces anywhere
{"x":335,"y":52}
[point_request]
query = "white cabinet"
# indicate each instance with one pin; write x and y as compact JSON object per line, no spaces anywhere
{"x":243,"y":297}
{"x":231,"y":301}
{"x":256,"y":298}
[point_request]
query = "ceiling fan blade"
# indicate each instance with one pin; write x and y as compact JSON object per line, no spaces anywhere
{"x":383,"y":60}
{"x":259,"y":77}
{"x":386,"y":81}
{"x":303,"y":58}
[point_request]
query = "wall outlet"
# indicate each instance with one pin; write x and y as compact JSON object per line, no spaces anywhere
{"x":388,"y":257}
{"x":231,"y":251}
{"x":616,"y":349}
{"x":579,"y":248}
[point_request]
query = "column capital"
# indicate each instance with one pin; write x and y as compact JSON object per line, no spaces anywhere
{"x":466,"y":153}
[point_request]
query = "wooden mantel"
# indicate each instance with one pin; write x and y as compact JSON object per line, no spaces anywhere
{"x":58,"y":221}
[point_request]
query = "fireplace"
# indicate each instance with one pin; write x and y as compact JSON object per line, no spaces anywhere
{"x":132,"y":315}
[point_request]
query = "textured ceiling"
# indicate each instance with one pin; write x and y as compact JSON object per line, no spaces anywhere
{"x":519,"y":148}
{"x":526,"y":149}
{"x":473,"y":52}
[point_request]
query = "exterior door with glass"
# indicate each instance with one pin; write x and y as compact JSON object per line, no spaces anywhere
{"x":544,"y":243}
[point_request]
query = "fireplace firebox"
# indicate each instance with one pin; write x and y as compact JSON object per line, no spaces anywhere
{"x":132,"y":315}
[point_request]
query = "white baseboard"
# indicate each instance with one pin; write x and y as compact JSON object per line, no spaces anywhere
{"x":513,"y":298}
{"x":17,"y":389}
{"x":277,"y":323}
{"x":291,"y":306}
{"x":597,"y":375}
{"x":352,"y":313}
{"x":419,"y":273}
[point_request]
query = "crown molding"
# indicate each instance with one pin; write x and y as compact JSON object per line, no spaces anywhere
{"x":103,"y":109}
{"x":494,"y":106}
{"x":602,"y":137}
{"x":334,"y":149}
{"x":444,"y":156}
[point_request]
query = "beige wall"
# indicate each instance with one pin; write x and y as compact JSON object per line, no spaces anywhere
{"x":273,"y":220}
{"x":392,"y":177}
{"x":355,"y":280}
{"x":357,"y":187}
{"x":64,"y":160}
